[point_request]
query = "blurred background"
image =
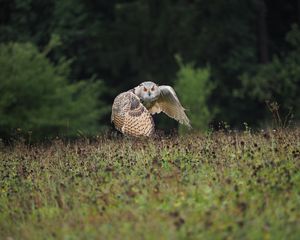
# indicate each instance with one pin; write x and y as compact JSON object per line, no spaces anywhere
{"x":62,"y":62}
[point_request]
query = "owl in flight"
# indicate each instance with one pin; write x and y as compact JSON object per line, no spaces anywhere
{"x":132,"y":110}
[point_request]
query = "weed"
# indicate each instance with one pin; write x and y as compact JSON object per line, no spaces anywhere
{"x":224,"y":184}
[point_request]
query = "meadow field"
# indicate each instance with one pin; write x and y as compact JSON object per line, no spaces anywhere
{"x":220,"y":185}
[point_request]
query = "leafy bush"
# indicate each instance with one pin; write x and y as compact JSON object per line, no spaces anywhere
{"x":35,"y":95}
{"x":194,"y":88}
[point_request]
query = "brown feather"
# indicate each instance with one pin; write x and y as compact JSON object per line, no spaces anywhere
{"x":130,"y":116}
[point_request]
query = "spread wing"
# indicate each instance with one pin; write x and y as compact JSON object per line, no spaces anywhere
{"x":169,"y":103}
{"x":130,"y":116}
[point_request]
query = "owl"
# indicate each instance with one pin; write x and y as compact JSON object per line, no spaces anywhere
{"x":132,"y":110}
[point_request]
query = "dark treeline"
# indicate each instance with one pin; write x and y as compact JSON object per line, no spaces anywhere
{"x":251,"y":49}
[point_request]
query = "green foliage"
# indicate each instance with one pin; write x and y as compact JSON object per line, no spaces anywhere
{"x":277,"y":81}
{"x":35,"y":95}
{"x":126,"y":42}
{"x":219,"y":186}
{"x":26,"y":21}
{"x":194,"y":87}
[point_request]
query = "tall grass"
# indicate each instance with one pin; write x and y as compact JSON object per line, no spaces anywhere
{"x":215,"y":186}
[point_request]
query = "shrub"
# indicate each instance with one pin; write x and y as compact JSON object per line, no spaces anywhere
{"x":276,"y":81}
{"x":194,"y":87}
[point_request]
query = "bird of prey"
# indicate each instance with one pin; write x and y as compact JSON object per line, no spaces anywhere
{"x":132,"y":110}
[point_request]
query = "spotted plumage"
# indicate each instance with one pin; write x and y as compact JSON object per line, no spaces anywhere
{"x":131,"y":110}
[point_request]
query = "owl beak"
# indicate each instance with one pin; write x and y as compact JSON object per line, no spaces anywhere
{"x":149,"y":93}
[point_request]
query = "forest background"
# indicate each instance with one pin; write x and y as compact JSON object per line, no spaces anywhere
{"x":62,"y":62}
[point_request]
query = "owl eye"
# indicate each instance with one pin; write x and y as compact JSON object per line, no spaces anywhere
{"x":152,"y":89}
{"x":145,"y":89}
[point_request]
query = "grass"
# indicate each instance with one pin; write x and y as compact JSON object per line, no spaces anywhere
{"x":215,"y":186}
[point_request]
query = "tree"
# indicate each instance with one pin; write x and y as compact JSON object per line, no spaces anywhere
{"x":130,"y":41}
{"x":277,"y":81}
{"x":35,"y":95}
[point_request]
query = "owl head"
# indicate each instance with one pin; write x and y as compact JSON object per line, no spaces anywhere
{"x":147,"y":91}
